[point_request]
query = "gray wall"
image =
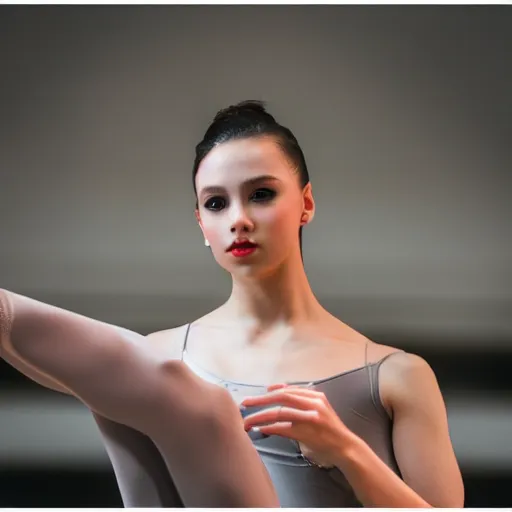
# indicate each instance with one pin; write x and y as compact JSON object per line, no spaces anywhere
{"x":403,"y":114}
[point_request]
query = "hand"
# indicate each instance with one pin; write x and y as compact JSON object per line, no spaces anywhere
{"x":304,"y":415}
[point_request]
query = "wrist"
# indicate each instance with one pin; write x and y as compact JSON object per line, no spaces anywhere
{"x":348,"y":450}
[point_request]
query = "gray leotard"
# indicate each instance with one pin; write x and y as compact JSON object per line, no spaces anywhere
{"x":144,"y":480}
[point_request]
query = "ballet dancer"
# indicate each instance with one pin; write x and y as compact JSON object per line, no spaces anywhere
{"x":338,"y":420}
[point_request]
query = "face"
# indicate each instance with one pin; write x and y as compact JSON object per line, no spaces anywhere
{"x":248,"y":190}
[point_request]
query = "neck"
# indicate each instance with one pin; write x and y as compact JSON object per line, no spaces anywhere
{"x":282,"y":296}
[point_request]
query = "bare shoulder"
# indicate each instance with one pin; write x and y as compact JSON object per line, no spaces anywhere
{"x":377,"y":351}
{"x":402,"y":365}
{"x":169,"y":340}
{"x":406,"y":368}
{"x":404,"y":378}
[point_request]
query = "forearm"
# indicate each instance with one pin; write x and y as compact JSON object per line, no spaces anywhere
{"x":373,"y":482}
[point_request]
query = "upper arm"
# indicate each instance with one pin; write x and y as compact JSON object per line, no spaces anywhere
{"x":421,"y":438}
{"x":105,"y":366}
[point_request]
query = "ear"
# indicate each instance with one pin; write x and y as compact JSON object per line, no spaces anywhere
{"x":198,"y":218}
{"x":308,"y":209}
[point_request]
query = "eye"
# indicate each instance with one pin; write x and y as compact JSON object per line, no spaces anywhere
{"x":263,"y":194}
{"x":215,"y":204}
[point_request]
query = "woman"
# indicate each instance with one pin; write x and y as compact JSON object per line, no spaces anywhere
{"x":361,"y":423}
{"x":367,"y":426}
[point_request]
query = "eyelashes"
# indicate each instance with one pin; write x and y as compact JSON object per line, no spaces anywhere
{"x":215,"y":204}
{"x":261,"y":195}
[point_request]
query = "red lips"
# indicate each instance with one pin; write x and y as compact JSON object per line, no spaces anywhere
{"x":241,"y":248}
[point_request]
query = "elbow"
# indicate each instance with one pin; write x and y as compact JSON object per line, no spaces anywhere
{"x":449,"y":504}
{"x":454,"y":500}
{"x":457,"y":496}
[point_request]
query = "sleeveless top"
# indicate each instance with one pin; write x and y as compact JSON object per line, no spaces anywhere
{"x":144,"y":480}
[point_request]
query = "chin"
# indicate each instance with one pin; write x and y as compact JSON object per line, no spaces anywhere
{"x":255,"y":271}
{"x":247,"y":268}
{"x":246,"y":271}
{"x":257,"y":266}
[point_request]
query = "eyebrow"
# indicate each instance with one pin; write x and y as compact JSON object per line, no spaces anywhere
{"x":213,"y":189}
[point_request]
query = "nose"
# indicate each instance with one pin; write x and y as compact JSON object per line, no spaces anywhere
{"x":241,"y":222}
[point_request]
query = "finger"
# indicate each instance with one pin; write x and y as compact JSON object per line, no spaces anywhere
{"x":275,"y":387}
{"x":281,"y":428}
{"x":252,"y":400}
{"x":278,"y":414}
{"x":287,"y":397}
{"x":302,"y":391}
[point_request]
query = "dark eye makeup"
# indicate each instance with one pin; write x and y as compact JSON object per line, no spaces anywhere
{"x":263,"y":194}
{"x":260,"y":195}
{"x":215,"y":203}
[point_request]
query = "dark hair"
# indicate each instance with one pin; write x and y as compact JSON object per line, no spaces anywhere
{"x":245,"y":120}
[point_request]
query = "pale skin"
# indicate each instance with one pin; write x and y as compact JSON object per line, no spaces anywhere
{"x":272,"y":330}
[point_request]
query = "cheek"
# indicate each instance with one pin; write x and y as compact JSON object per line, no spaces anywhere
{"x":278,"y":221}
{"x":213,"y":232}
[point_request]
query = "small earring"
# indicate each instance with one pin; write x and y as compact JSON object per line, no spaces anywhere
{"x":206,"y":243}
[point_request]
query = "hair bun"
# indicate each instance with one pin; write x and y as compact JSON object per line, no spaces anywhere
{"x":251,"y":109}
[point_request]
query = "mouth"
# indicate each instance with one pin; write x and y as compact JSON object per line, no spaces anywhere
{"x":242,"y":248}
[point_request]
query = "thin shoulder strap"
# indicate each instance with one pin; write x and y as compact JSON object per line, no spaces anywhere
{"x":183,"y":348}
{"x":373,"y":375}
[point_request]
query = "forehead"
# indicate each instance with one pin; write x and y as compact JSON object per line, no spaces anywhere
{"x":236,"y":161}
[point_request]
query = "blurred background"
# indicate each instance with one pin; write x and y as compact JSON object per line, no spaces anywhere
{"x":403,"y":113}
